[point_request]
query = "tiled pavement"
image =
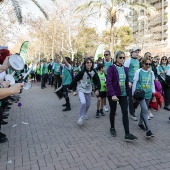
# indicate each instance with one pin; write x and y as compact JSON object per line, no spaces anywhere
{"x":53,"y":141}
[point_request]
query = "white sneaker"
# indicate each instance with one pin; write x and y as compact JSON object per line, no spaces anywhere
{"x":149,"y":117}
{"x":133,"y":117}
{"x":80,"y":120}
{"x":105,"y":108}
{"x":150,"y":114}
{"x":85,"y":117}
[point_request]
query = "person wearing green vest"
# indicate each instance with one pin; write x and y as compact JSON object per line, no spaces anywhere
{"x":76,"y":70}
{"x":144,"y":80}
{"x":133,"y":65}
{"x":56,"y":73}
{"x":38,"y":72}
{"x":102,"y":93}
{"x":66,"y":80}
{"x":107,"y":63}
{"x":43,"y":72}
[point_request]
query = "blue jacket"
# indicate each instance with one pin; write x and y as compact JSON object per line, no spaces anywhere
{"x":112,"y":81}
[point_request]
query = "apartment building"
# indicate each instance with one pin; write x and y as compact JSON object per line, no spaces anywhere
{"x":152,"y":33}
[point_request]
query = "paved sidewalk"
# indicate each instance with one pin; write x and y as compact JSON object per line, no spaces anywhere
{"x":53,"y":141}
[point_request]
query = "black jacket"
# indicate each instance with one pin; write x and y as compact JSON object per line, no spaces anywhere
{"x":79,"y":76}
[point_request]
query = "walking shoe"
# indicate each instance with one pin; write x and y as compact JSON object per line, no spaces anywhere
{"x":113,"y":132}
{"x":149,"y":117}
{"x":106,"y":108}
{"x":85,"y":117}
{"x":5,"y":114}
{"x":102,"y":113}
{"x":149,"y":134}
{"x":169,"y":118}
{"x":167,"y":108}
{"x":80,"y":121}
{"x":3,"y":139}
{"x":150,"y":114}
{"x":66,"y":109}
{"x":142,"y":127}
{"x":130,"y":137}
{"x":133,"y":117}
{"x":2,"y":134}
{"x":97,"y":114}
{"x":64,"y":105}
{"x":3,"y":122}
{"x":75,"y":93}
{"x":4,"y":117}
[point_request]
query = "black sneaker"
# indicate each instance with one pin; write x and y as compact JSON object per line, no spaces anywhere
{"x":167,"y":108}
{"x":66,"y":109}
{"x":102,"y":113}
{"x":3,"y":139}
{"x":3,"y":122}
{"x":149,"y":134}
{"x":97,"y":114}
{"x":142,"y":127}
{"x":113,"y":132}
{"x":130,"y":137}
{"x":2,"y":134}
{"x":169,"y":118}
{"x":64,"y":105}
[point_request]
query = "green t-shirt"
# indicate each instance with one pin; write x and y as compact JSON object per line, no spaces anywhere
{"x":159,"y":69}
{"x":102,"y":78}
{"x":133,"y":67}
{"x":44,"y":68}
{"x":66,"y":75}
{"x":76,"y":70}
{"x":56,"y":68}
{"x":38,"y":70}
{"x":107,"y":64}
{"x":141,"y":84}
{"x":122,"y":80}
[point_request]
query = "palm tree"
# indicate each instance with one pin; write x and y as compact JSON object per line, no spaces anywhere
{"x":18,"y":12}
{"x":111,"y":9}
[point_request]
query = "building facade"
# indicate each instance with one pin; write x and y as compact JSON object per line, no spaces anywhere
{"x":152,"y":33}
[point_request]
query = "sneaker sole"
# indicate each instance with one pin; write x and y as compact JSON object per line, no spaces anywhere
{"x":133,"y":119}
{"x":150,"y":136}
{"x":128,"y":140}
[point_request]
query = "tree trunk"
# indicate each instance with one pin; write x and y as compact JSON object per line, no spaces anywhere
{"x":112,"y":39}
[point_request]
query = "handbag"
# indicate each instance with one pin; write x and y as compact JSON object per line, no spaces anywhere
{"x":140,"y":94}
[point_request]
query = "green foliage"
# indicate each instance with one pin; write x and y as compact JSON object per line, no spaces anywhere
{"x":87,"y":40}
{"x":123,"y":38}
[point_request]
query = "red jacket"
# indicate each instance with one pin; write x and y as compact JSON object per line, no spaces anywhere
{"x":157,"y":99}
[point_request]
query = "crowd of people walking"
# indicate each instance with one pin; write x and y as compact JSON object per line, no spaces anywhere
{"x":135,"y":81}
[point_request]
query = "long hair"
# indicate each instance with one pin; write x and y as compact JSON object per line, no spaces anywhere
{"x":85,"y":61}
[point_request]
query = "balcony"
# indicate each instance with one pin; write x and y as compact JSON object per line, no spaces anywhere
{"x":159,"y":5}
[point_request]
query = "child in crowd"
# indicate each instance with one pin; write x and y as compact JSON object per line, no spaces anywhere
{"x":102,"y":93}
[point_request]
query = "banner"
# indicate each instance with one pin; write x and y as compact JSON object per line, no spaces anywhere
{"x":99,"y":51}
{"x":23,"y":50}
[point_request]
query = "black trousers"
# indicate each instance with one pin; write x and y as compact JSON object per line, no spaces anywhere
{"x":124,"y":108}
{"x":57,"y":81}
{"x":166,"y":94}
{"x":43,"y":80}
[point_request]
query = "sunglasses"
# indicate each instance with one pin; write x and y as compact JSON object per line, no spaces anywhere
{"x":164,"y":58}
{"x":147,"y":64}
{"x":122,"y":58}
{"x":106,"y":54}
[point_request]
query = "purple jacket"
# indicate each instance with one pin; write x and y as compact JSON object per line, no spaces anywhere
{"x":112,"y":81}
